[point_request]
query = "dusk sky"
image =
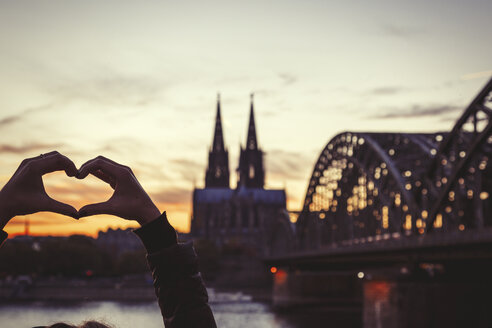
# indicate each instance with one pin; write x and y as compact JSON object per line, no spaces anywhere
{"x":136,"y":81}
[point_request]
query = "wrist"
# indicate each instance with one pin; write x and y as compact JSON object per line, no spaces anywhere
{"x":148,"y":214}
{"x":5,"y":214}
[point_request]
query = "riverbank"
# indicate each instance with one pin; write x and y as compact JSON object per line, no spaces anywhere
{"x":137,"y":288}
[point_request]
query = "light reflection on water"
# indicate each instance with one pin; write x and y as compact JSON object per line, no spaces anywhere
{"x":237,"y":315}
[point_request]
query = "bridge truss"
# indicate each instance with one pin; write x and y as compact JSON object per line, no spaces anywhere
{"x":372,"y":186}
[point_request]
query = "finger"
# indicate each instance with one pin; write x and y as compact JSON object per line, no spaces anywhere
{"x":123,"y":167}
{"x":104,"y":177}
{"x":26,"y":161}
{"x":102,"y":164}
{"x":54,"y":161}
{"x":61,"y":208}
{"x":95,"y":209}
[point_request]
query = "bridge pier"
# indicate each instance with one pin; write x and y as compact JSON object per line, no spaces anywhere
{"x":423,"y":304}
{"x":387,"y":299}
{"x":297,"y":289}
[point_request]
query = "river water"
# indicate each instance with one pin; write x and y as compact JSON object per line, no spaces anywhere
{"x":238,"y":314}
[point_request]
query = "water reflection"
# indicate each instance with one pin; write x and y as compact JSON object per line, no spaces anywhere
{"x":240,"y":314}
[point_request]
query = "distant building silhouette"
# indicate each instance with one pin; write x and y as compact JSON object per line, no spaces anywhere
{"x":217,"y":174}
{"x":250,"y":171}
{"x":247,"y":215}
{"x":118,"y":241}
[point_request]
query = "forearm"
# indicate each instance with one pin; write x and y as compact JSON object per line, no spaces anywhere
{"x":178,"y":285}
{"x":5,"y":212}
{"x":4,"y":219}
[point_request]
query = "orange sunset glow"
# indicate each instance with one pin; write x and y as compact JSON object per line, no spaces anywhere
{"x":138,"y":83}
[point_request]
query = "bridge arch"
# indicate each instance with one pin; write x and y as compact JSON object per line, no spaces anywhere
{"x":371,"y":186}
{"x":460,"y":177}
{"x":361,"y":187}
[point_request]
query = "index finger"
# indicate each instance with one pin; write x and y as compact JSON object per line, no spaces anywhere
{"x":99,"y":164}
{"x":54,"y":161}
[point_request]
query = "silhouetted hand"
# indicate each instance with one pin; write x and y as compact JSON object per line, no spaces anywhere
{"x":25,"y":194}
{"x":129,"y":200}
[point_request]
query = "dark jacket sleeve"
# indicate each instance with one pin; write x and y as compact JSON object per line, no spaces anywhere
{"x":178,"y":285}
{"x":3,"y":237}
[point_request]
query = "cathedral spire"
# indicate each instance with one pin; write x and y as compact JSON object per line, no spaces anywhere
{"x":251,"y":142}
{"x":251,"y":171}
{"x":217,"y":175}
{"x":218,"y":143}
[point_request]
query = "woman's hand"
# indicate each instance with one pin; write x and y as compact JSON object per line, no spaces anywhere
{"x":129,"y":200}
{"x":25,"y":194}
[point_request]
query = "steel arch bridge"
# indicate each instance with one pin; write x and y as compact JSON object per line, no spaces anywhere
{"x":373,"y":186}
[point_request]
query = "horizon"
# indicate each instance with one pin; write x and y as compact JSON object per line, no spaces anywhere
{"x":138,"y":82}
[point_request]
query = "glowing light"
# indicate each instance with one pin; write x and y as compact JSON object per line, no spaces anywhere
{"x":469,"y":193}
{"x":322,"y":216}
{"x":425,"y":214}
{"x":408,"y":174}
{"x":385,"y":217}
{"x":360,"y":275}
{"x":273,"y":270}
{"x":484,"y":195}
{"x":408,"y":222}
{"x":408,"y":186}
{"x":397,"y":200}
{"x":461,"y":227}
{"x":438,"y":221}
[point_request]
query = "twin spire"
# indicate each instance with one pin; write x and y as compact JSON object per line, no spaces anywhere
{"x":218,"y":143}
{"x":251,"y":172}
{"x":251,"y":141}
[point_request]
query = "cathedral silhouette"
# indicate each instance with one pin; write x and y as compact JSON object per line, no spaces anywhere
{"x":247,"y":214}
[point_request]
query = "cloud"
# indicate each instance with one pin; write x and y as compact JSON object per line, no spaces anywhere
{"x":287,"y":79}
{"x":399,"y":31}
{"x":477,"y":75}
{"x":17,"y":117}
{"x":35,"y":220}
{"x":420,"y":111}
{"x":188,"y":169}
{"x":287,"y":165}
{"x":151,"y":171}
{"x":28,"y":148}
{"x":172,"y":195}
{"x":110,"y":89}
{"x":385,"y":91}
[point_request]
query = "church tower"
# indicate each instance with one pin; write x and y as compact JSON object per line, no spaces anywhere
{"x":217,"y":175}
{"x":251,"y":171}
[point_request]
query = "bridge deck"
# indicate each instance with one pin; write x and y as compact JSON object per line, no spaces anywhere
{"x":388,"y":249}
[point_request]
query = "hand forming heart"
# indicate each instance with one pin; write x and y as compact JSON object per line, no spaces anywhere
{"x":25,"y":194}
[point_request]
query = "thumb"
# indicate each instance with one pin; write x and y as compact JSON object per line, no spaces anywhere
{"x":61,"y":208}
{"x":94,"y":209}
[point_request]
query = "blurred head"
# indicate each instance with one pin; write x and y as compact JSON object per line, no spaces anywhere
{"x":87,"y":324}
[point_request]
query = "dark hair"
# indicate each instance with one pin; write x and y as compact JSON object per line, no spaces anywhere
{"x":87,"y":324}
